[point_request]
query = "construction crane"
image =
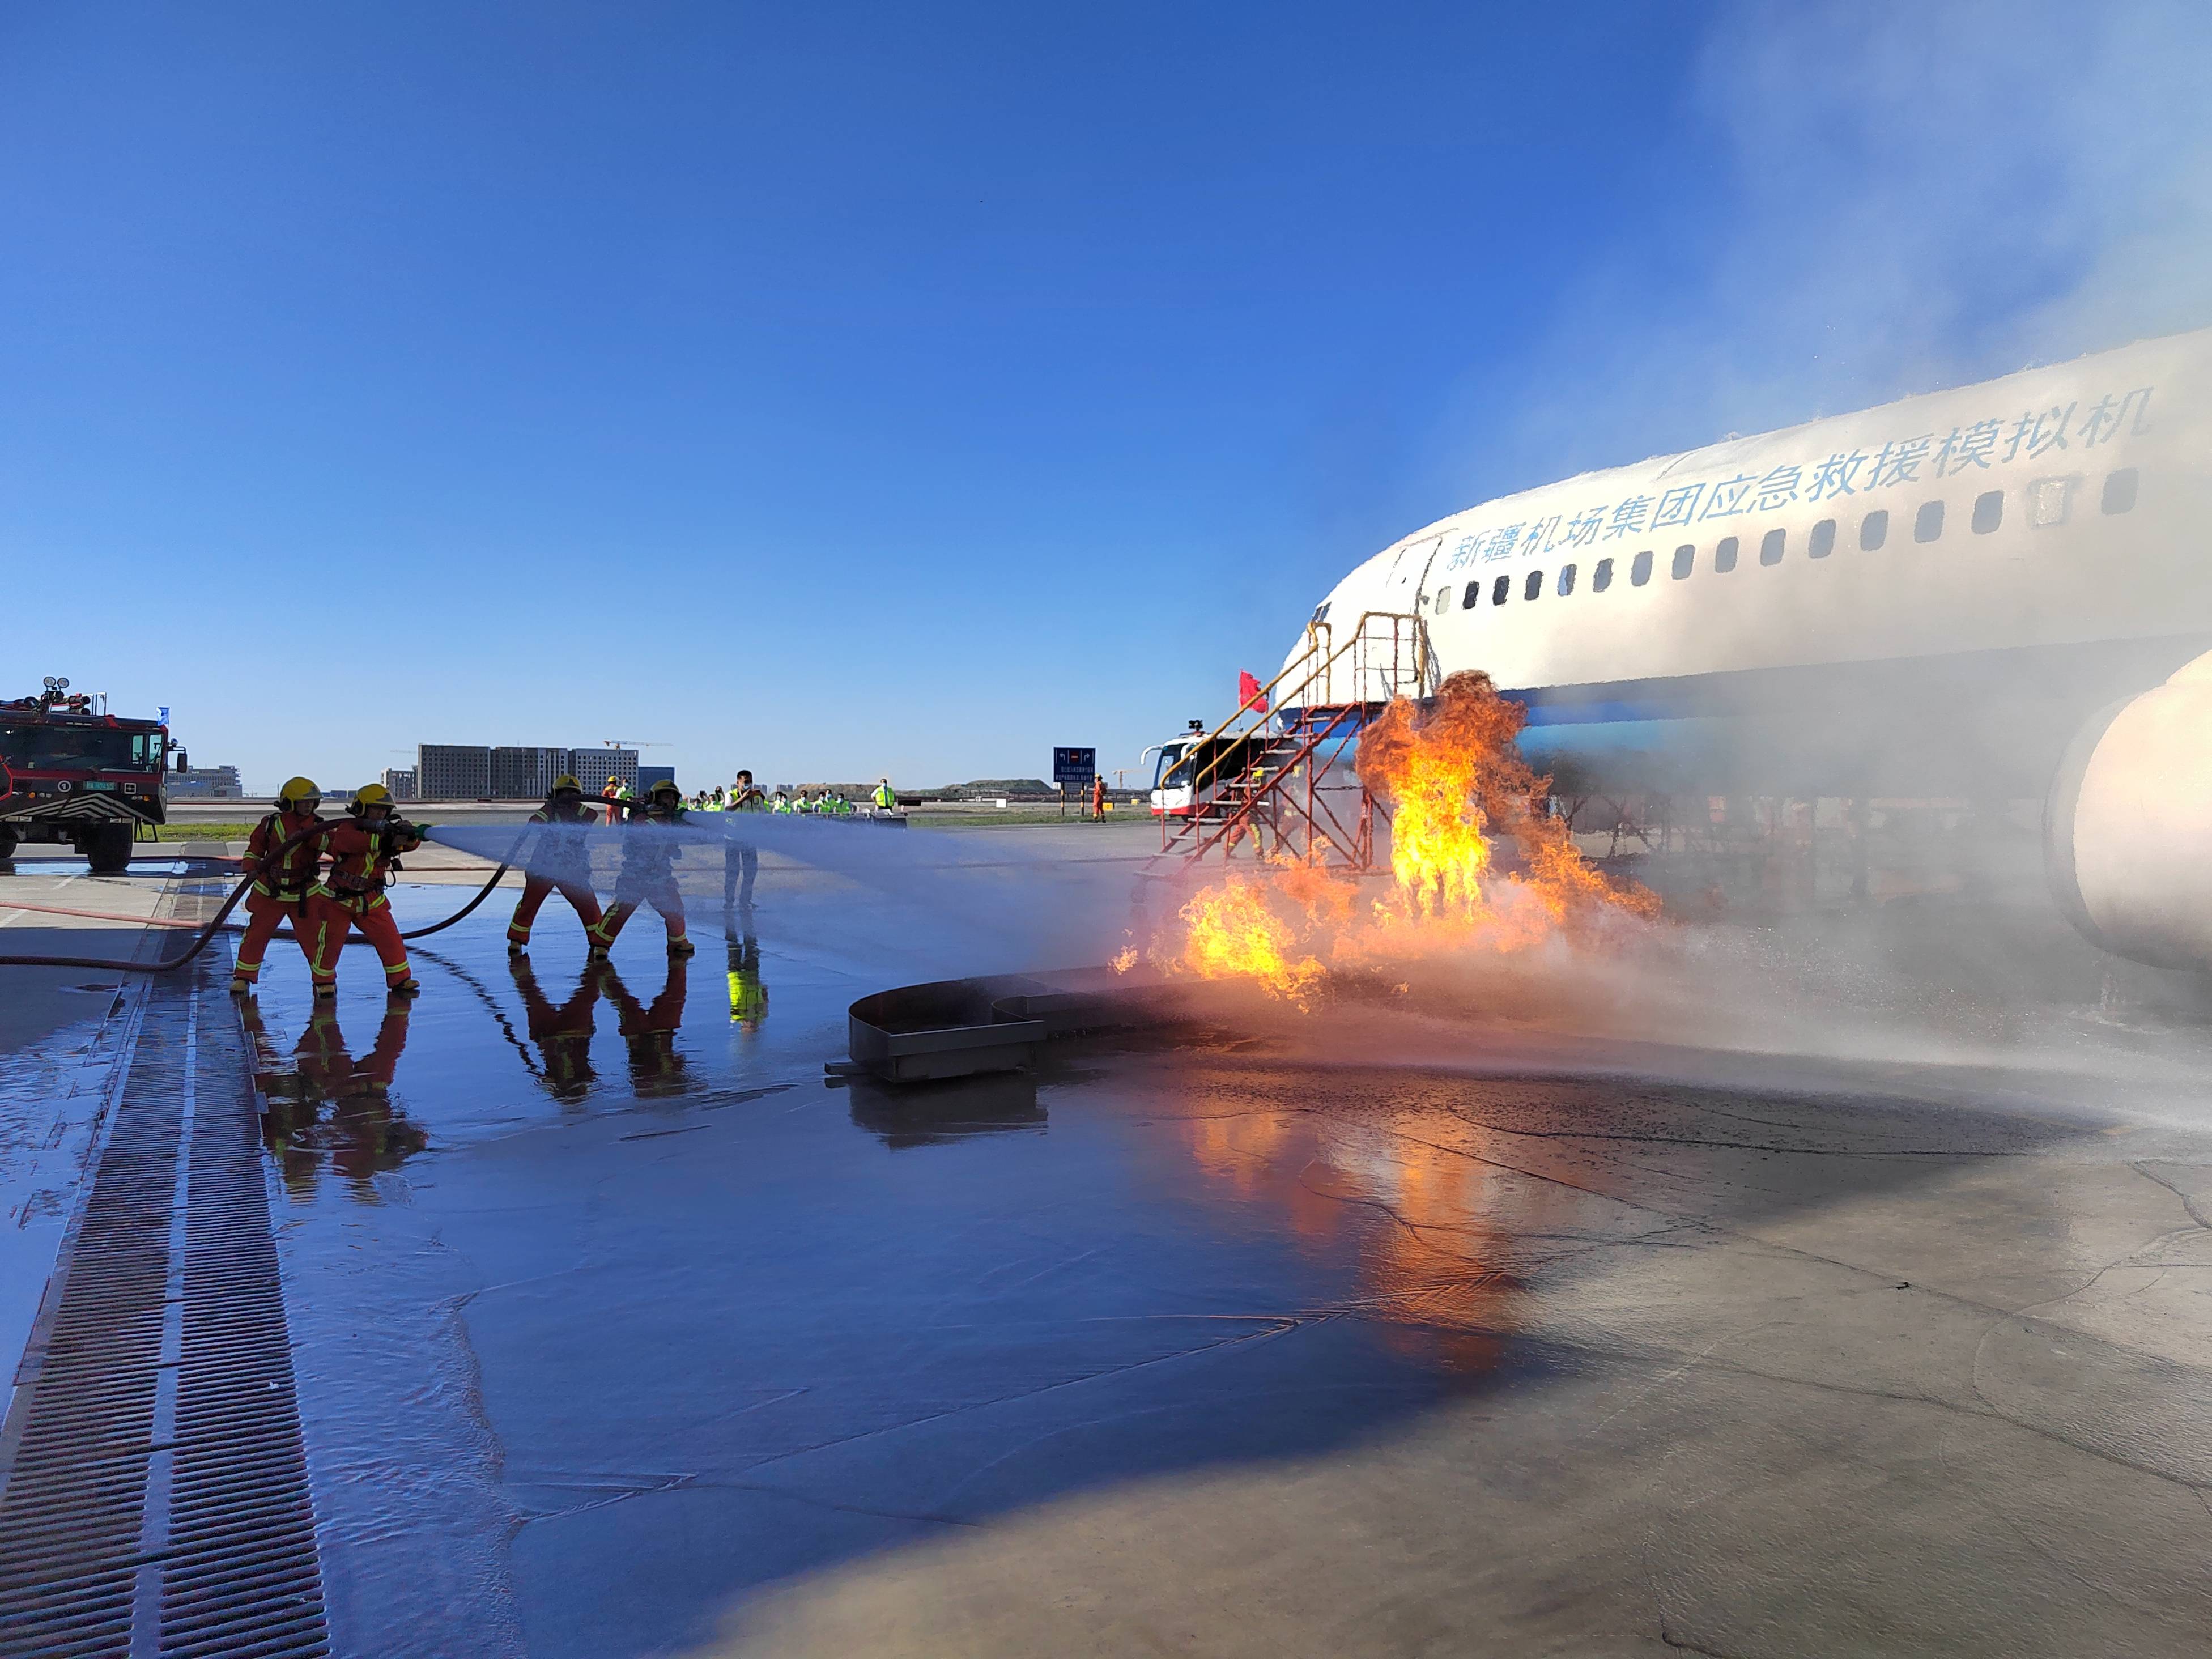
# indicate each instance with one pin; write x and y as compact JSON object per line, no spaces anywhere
{"x":632,"y":743}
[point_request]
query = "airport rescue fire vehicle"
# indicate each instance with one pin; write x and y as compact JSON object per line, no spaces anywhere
{"x":71,"y":771}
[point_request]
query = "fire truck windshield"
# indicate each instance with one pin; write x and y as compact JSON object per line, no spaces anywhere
{"x":40,"y":747}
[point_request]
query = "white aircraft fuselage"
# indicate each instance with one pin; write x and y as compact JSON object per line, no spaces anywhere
{"x":1932,"y":595}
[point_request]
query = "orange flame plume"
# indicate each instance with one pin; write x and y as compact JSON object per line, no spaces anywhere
{"x":1453,"y":783}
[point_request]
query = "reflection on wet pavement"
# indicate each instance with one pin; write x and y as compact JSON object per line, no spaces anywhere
{"x":614,"y":1322}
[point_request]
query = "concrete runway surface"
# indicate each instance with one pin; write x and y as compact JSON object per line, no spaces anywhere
{"x":1442,"y":1329}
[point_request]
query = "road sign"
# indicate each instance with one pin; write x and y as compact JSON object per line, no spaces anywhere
{"x":1074,"y":766}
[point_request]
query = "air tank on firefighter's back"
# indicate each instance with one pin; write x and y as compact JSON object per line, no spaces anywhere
{"x":2128,"y":827}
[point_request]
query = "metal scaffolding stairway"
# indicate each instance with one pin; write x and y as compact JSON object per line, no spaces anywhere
{"x":1275,"y":779}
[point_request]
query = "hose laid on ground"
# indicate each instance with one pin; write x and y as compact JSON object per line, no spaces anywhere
{"x":215,"y":923}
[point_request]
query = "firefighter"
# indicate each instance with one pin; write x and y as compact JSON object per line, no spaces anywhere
{"x":886,"y":798}
{"x":364,"y":848}
{"x":748,"y":996}
{"x":648,"y":873}
{"x":559,"y":859}
{"x":656,"y":1066}
{"x":281,"y":878}
{"x":563,"y":1034}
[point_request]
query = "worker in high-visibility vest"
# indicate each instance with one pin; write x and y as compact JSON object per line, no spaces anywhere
{"x":748,"y":994}
{"x":1098,"y":799}
{"x":741,"y":859}
{"x":281,"y":880}
{"x":886,"y":797}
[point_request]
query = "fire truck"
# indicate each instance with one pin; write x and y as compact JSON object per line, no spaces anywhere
{"x":71,"y":771}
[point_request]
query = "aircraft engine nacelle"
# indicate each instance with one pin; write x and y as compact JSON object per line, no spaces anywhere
{"x":2128,"y":827}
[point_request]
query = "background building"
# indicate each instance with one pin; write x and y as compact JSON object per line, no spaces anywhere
{"x":526,"y":773}
{"x":594,"y":766}
{"x":463,"y":771}
{"x":205,"y":782}
{"x":400,"y":780}
{"x":452,"y":771}
{"x":649,"y":776}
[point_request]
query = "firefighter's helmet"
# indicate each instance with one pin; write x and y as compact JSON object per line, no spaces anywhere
{"x":664,"y":786}
{"x":368,"y":795}
{"x":567,"y":780}
{"x":296,"y":793}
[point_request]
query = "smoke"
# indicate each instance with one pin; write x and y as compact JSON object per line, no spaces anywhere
{"x":1907,"y":199}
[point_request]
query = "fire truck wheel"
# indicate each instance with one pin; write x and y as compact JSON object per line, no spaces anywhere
{"x":108,"y":848}
{"x":6,"y":842}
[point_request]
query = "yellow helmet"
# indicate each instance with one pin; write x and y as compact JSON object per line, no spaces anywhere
{"x":369,"y":794}
{"x":567,"y":780}
{"x":666,"y":786}
{"x":295,"y":791}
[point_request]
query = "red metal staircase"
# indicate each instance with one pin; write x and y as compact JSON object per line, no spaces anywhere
{"x":1281,"y":784}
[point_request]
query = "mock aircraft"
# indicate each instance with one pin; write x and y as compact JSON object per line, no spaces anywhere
{"x":1997,"y":591}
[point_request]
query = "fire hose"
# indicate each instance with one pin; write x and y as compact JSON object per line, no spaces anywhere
{"x":215,"y":923}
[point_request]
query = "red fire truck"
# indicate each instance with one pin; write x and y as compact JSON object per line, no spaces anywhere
{"x":71,"y":771}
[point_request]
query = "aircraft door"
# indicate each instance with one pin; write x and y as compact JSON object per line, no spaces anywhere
{"x":1405,"y":593}
{"x":1402,"y":588}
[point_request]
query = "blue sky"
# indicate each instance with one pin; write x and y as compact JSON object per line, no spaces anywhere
{"x":842,"y":389}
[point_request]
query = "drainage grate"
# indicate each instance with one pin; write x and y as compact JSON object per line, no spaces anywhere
{"x":155,"y":1487}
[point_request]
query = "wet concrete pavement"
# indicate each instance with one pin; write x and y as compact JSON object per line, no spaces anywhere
{"x":617,"y":1332}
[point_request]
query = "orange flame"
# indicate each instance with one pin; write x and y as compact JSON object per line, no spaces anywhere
{"x":1231,"y":932}
{"x":1453,"y":781}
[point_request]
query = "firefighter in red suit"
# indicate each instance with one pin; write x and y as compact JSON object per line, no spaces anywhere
{"x":648,"y":872}
{"x":560,"y":859}
{"x":364,"y":848}
{"x":281,"y":878}
{"x":563,"y":1034}
{"x":648,"y":1030}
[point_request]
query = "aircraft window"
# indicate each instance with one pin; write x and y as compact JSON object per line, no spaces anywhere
{"x":1321,"y":610}
{"x":1499,"y":589}
{"x":2051,"y":500}
{"x":1533,"y":588}
{"x":1874,"y":530}
{"x":1443,"y":600}
{"x":1989,"y":511}
{"x":1824,"y":540}
{"x":1566,"y":580}
{"x":1601,"y":577}
{"x":1639,"y":568}
{"x":2120,"y":492}
{"x":1471,"y":597}
{"x":1769,"y":546}
{"x":1686,"y":558}
{"x":1724,"y":554}
{"x":1928,"y":522}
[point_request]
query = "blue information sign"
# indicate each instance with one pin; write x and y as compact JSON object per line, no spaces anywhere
{"x":1074,"y":765}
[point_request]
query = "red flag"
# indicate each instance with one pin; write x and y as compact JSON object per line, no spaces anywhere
{"x":1248,"y":694}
